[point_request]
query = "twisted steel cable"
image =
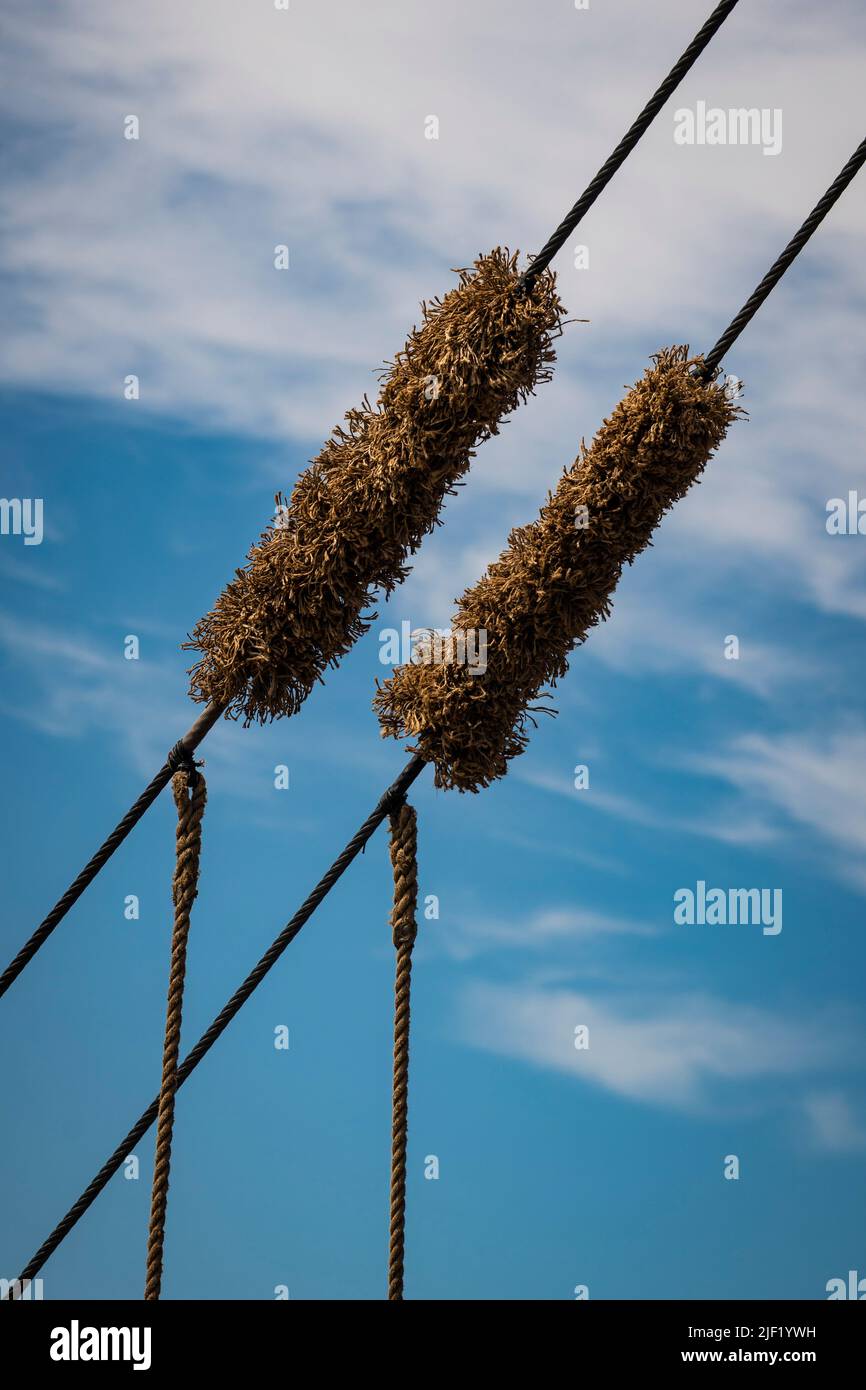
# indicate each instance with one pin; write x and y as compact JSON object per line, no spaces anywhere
{"x":628,"y":142}
{"x":175,"y":759}
{"x":789,"y":255}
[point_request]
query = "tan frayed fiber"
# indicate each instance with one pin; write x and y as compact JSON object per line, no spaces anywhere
{"x":554,"y":582}
{"x":374,"y":492}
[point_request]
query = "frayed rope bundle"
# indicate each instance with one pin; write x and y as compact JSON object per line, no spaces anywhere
{"x":554,"y":582}
{"x":374,"y":491}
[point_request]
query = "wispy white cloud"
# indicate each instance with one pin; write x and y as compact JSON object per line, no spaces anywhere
{"x":33,"y":575}
{"x":798,"y":791}
{"x":75,"y":687}
{"x":728,"y":826}
{"x":657,"y":629}
{"x":760,"y":514}
{"x":576,"y":854}
{"x":834,"y":1125}
{"x":811,"y":779}
{"x":474,"y":933}
{"x":672,"y":1049}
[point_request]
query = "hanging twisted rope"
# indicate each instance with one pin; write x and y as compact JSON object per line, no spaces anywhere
{"x":392,"y":795}
{"x":190,"y":795}
{"x":404,"y":859}
{"x":258,"y":600}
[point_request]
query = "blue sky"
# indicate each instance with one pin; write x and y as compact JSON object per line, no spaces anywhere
{"x":558,"y":1167}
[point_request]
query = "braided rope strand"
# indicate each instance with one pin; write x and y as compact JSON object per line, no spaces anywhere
{"x":404,"y":859}
{"x":190,"y":795}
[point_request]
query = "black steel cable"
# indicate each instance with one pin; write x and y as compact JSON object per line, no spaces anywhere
{"x":149,"y":795}
{"x":177,"y":757}
{"x":788,"y":256}
{"x":628,"y":142}
{"x":391,"y":798}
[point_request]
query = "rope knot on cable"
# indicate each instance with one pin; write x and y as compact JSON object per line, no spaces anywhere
{"x":391,"y":801}
{"x":404,"y":849}
{"x":180,"y":759}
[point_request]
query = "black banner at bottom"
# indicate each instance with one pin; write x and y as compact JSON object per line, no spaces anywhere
{"x":82,"y":1338}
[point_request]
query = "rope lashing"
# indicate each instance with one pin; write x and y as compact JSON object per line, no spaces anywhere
{"x":404,"y":860}
{"x":389,"y":798}
{"x":217,"y":705}
{"x":190,"y":796}
{"x":555,"y":580}
{"x":373,"y":493}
